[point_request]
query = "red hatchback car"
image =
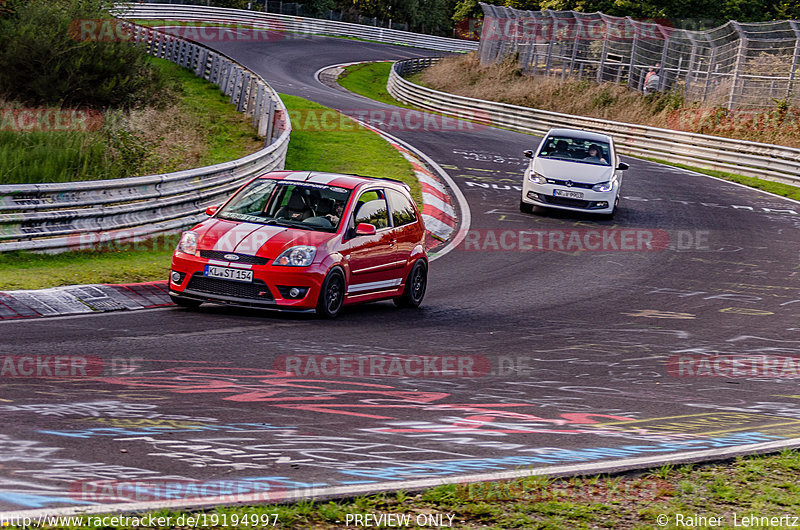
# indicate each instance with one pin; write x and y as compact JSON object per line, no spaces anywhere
{"x":305,"y":241}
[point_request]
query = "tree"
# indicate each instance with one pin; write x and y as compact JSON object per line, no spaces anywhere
{"x":316,"y":8}
{"x":72,"y":53}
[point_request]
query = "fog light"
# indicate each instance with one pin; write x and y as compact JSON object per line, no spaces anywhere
{"x":291,"y":292}
{"x":532,"y":195}
{"x":177,"y":277}
{"x":602,"y":204}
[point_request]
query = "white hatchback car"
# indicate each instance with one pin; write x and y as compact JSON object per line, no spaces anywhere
{"x":573,"y":170}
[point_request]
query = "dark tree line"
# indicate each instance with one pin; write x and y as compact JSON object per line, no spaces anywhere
{"x":702,"y":13}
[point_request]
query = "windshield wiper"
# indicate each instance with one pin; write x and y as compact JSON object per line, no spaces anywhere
{"x":288,"y":223}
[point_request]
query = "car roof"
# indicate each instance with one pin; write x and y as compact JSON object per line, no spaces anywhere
{"x":579,"y":133}
{"x":330,"y":179}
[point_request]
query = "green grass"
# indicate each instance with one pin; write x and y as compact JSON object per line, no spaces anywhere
{"x":229,"y":134}
{"x":762,"y":486}
{"x":126,"y":263}
{"x":354,"y":150}
{"x":369,"y":80}
{"x":323,"y":140}
{"x":115,"y":150}
{"x":43,"y":156}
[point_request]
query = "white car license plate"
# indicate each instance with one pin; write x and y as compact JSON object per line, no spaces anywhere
{"x":226,"y":273}
{"x":568,"y":194}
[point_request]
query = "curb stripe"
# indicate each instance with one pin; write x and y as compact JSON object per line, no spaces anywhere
{"x":434,"y":202}
{"x":430,"y":190}
{"x":437,"y":228}
{"x":431,"y":181}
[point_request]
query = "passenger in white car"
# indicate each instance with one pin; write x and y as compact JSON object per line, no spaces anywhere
{"x":595,"y":156}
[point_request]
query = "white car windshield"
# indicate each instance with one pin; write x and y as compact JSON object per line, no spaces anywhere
{"x":576,"y":150}
{"x":288,"y":203}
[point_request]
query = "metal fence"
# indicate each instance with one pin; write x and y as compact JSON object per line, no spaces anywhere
{"x":771,"y":162}
{"x":75,"y":215}
{"x":285,"y":26}
{"x":736,"y":65}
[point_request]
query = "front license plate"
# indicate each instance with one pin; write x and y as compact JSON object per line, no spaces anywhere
{"x":568,"y":194}
{"x":227,"y":273}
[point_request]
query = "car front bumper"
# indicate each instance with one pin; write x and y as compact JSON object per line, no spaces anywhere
{"x":271,"y":286}
{"x":591,"y":201}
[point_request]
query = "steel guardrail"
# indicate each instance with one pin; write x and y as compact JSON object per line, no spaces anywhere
{"x":55,"y":217}
{"x":290,"y":25}
{"x":751,"y":159}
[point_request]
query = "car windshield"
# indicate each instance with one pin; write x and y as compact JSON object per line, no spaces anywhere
{"x":576,"y":150}
{"x":304,"y":205}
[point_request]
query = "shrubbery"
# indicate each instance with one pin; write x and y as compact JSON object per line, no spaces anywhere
{"x":43,"y":64}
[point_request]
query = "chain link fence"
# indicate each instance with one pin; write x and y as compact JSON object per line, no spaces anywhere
{"x":735,"y":65}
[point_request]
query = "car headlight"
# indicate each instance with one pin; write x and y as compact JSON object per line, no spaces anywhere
{"x":604,"y":186}
{"x":188,"y":243}
{"x":299,"y":256}
{"x":536,"y":178}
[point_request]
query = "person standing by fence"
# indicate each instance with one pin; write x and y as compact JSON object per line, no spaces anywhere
{"x":651,"y":80}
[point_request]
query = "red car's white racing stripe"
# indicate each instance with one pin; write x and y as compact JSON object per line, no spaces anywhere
{"x":369,"y":286}
{"x":252,"y":242}
{"x":228,"y":241}
{"x":296,"y":176}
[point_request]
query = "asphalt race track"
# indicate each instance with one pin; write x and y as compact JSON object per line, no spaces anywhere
{"x":545,"y":342}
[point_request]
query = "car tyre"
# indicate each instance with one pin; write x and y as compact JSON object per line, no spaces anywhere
{"x":185,"y":302}
{"x":416,"y":284}
{"x":331,"y":297}
{"x":610,"y":215}
{"x":524,"y":207}
{"x":540,"y":210}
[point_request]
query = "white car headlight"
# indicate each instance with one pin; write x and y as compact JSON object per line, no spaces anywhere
{"x":604,"y":186}
{"x":188,"y":243}
{"x":536,"y":178}
{"x":299,"y":256}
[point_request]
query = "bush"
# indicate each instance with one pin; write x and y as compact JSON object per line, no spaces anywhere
{"x":45,"y":64}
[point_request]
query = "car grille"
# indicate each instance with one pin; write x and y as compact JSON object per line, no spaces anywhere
{"x":582,"y":185}
{"x":564,"y":201}
{"x":257,"y":290}
{"x":243,"y":258}
{"x":572,"y":203}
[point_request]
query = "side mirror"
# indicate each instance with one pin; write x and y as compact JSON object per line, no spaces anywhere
{"x":623,"y":166}
{"x":211,"y":210}
{"x":365,"y":229}
{"x":528,"y":153}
